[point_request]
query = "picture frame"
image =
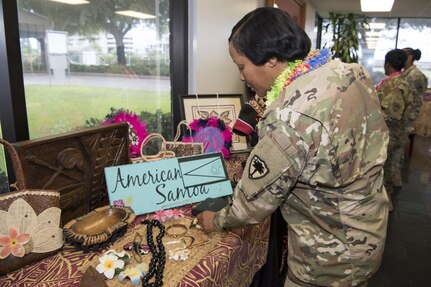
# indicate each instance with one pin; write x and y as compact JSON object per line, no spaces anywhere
{"x":224,"y":106}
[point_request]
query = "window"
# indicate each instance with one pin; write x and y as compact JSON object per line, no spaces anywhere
{"x":412,"y":34}
{"x":81,"y":61}
{"x":3,"y":176}
{"x":378,"y":40}
{"x":386,"y":34}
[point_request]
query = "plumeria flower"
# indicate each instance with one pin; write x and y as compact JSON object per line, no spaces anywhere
{"x":119,"y":202}
{"x":175,"y":213}
{"x":160,"y":215}
{"x":13,"y":243}
{"x":134,"y":273}
{"x":144,"y":266}
{"x":108,"y":263}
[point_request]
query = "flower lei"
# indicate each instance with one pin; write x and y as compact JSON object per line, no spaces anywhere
{"x":212,"y":131}
{"x":137,"y":129}
{"x":296,"y":69}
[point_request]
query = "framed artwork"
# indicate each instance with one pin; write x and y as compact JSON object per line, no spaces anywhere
{"x":223,"y":106}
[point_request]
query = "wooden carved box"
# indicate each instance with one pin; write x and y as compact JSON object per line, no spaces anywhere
{"x":73,"y":163}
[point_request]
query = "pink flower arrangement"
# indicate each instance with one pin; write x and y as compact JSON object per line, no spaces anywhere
{"x":175,"y":213}
{"x":13,"y":243}
{"x":164,"y":215}
{"x":212,"y":131}
{"x":137,"y":129}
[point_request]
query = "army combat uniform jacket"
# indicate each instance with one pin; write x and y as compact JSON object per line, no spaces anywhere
{"x":396,"y":100}
{"x":320,"y":158}
{"x":419,"y":84}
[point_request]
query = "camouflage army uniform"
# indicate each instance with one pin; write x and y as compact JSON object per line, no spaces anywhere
{"x":419,"y":84}
{"x":320,"y":158}
{"x":396,"y":100}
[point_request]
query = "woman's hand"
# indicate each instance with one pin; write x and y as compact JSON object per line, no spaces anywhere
{"x":205,"y":220}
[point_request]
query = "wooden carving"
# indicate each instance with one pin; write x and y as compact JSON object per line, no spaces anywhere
{"x":73,"y":163}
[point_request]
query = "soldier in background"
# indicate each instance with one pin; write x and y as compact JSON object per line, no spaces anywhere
{"x":418,"y":83}
{"x":418,"y":80}
{"x":320,"y":156}
{"x":396,"y":100}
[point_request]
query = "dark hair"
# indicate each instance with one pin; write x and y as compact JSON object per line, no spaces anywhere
{"x":415,"y":53}
{"x":268,"y":32}
{"x":397,"y":58}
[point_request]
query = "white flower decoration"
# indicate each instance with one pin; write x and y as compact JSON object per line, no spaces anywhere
{"x":134,"y":273}
{"x":108,"y":263}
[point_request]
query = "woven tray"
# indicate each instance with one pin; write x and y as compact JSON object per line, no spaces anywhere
{"x":174,"y":270}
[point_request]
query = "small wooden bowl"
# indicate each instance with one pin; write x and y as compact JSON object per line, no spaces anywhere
{"x":98,"y":228}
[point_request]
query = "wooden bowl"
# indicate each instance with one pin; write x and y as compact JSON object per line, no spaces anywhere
{"x":98,"y":228}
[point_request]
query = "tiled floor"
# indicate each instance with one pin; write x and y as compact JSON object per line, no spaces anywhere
{"x":407,"y":257}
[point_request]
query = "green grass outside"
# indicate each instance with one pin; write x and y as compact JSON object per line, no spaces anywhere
{"x":58,"y":109}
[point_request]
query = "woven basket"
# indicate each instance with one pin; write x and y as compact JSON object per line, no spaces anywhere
{"x":23,"y":201}
{"x":162,"y":154}
{"x":184,"y":148}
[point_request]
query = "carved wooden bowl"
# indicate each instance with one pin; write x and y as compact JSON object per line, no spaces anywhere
{"x":98,"y":228}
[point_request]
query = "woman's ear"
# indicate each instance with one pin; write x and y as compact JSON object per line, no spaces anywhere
{"x":272,"y":62}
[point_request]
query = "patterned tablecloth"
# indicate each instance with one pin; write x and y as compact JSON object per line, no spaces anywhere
{"x":231,"y":260}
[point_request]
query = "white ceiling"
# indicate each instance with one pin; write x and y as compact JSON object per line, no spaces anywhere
{"x":401,"y":8}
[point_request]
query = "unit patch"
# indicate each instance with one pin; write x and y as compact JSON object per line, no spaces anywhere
{"x":257,"y":168}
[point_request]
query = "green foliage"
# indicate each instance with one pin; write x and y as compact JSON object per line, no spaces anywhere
{"x":157,"y":122}
{"x":3,"y":182}
{"x":149,"y":69}
{"x":345,"y":35}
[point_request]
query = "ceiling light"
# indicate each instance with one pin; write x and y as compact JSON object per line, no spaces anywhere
{"x":72,"y":2}
{"x":376,"y":6}
{"x":135,"y":14}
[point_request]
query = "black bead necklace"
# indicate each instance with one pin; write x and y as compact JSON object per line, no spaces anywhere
{"x":158,"y":259}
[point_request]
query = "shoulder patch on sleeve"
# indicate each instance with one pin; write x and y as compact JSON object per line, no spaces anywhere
{"x":257,"y":168}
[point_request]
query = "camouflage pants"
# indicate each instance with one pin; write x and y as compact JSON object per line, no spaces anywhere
{"x":399,"y":154}
{"x":392,"y":164}
{"x":290,"y":283}
{"x":396,"y":149}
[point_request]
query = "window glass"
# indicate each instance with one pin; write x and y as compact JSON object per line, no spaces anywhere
{"x":3,"y":175}
{"x":411,"y":35}
{"x":379,"y":39}
{"x":84,"y":59}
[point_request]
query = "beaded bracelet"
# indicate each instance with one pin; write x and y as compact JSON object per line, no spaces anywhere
{"x":169,"y":233}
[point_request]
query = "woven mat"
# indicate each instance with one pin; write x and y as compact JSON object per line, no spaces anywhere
{"x":174,"y":270}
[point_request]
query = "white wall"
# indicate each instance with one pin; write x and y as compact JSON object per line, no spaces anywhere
{"x":211,"y":69}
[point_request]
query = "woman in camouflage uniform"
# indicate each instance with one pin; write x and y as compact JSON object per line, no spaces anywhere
{"x":322,"y":146}
{"x":418,"y":83}
{"x":396,"y":100}
{"x":415,"y":77}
